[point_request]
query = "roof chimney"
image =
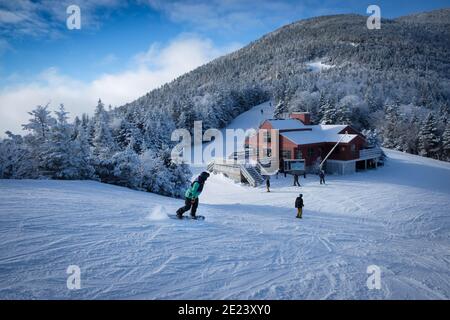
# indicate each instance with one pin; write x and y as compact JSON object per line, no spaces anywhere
{"x":304,"y":117}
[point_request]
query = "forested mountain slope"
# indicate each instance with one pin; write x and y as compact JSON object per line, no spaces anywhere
{"x":398,"y":74}
{"x":394,"y":81}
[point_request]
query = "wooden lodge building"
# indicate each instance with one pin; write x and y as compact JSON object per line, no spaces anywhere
{"x":300,"y":140}
{"x":302,"y":147}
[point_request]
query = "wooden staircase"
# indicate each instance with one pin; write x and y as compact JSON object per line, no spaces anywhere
{"x":253,"y":177}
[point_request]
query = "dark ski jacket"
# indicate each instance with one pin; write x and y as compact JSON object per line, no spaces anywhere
{"x":299,"y":202}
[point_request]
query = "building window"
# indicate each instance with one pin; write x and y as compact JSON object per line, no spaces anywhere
{"x":298,"y":153}
{"x":354,"y":152}
{"x":267,"y":152}
{"x":267,"y":136}
{"x":286,"y":154}
{"x":310,"y":152}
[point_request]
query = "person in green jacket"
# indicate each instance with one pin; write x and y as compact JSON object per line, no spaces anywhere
{"x":191,"y":195}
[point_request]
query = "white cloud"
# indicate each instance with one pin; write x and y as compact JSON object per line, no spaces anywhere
{"x":10,"y":17}
{"x":229,"y":15}
{"x":46,"y":18}
{"x":148,"y":70}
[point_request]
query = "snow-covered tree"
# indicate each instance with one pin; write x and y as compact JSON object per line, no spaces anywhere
{"x":161,"y":175}
{"x":15,"y":158}
{"x":103,"y":142}
{"x":372,"y":137}
{"x":39,"y":126}
{"x":329,"y":113}
{"x":82,"y":153}
{"x":280,"y":109}
{"x":104,"y":146}
{"x":40,"y":123}
{"x":58,"y":159}
{"x":390,"y":127}
{"x":158,"y":128}
{"x":446,"y":143}
{"x":428,"y":137}
{"x":343,"y":115}
{"x":127,"y":169}
{"x":128,"y":135}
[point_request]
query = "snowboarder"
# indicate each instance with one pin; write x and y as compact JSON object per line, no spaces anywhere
{"x":322,"y":176}
{"x":296,"y":183}
{"x":191,"y":195}
{"x":299,"y":205}
{"x":268,"y":183}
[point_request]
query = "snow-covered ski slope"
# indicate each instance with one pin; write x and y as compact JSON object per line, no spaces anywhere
{"x":249,"y":247}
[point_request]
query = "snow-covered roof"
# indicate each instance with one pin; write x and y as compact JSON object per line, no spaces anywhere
{"x":286,"y":124}
{"x":319,"y":133}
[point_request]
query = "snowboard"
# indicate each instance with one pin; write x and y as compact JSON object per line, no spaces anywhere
{"x":186,"y":217}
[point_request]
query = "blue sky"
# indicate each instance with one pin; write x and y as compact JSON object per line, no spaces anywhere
{"x":126,"y":48}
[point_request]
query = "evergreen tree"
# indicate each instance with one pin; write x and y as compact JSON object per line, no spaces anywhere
{"x":446,"y":143}
{"x":343,"y":115}
{"x":37,"y":140}
{"x":161,"y":175}
{"x":322,"y":106}
{"x":280,"y":109}
{"x":329,"y":113}
{"x":57,"y":159}
{"x":428,"y":137}
{"x":82,"y":151}
{"x":103,"y":144}
{"x":372,"y":137}
{"x":129,"y":136}
{"x":390,"y":127}
{"x":158,"y":130}
{"x":409,"y":134}
{"x":102,"y":141}
{"x":40,"y":123}
{"x":127,"y":169}
{"x":15,"y":158}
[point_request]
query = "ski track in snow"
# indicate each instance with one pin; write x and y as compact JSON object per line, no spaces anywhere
{"x":249,"y":247}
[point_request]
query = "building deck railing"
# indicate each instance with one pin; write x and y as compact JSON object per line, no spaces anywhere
{"x":371,"y":153}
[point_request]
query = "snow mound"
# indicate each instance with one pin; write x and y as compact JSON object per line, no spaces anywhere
{"x":250,"y":246}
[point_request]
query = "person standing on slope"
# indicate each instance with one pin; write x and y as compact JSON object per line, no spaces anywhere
{"x":299,"y":205}
{"x":322,"y":176}
{"x":191,"y":195}
{"x":296,"y":182}
{"x":268,"y":183}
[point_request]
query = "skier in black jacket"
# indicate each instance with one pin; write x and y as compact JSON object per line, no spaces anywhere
{"x":268,"y":183}
{"x":299,"y":205}
{"x":322,"y":176}
{"x":296,"y":182}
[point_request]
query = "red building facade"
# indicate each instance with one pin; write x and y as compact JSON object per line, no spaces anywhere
{"x":298,"y":139}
